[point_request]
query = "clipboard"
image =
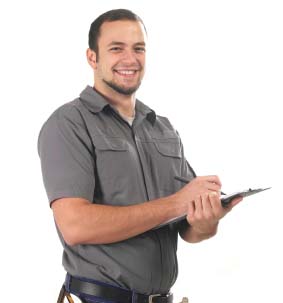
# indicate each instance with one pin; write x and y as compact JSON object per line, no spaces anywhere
{"x":225,"y":201}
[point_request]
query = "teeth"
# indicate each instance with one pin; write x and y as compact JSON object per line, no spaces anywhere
{"x":126,"y":72}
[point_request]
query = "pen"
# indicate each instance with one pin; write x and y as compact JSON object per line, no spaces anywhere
{"x":187,"y":181}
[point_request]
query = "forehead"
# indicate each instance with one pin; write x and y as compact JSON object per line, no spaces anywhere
{"x":128,"y":32}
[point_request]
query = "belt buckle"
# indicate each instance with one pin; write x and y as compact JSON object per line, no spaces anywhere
{"x":150,"y":297}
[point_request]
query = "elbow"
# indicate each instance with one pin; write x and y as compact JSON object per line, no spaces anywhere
{"x":71,"y":236}
{"x":74,"y":235}
{"x":69,"y":218}
{"x":71,"y":241}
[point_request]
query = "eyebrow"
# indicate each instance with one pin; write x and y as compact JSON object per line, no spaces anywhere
{"x":122,"y":43}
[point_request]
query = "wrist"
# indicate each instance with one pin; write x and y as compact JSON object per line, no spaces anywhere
{"x":208,"y":231}
{"x":180,"y":206}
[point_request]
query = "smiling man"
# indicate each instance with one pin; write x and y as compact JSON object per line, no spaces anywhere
{"x":118,"y":62}
{"x":120,"y":67}
{"x":108,"y":165}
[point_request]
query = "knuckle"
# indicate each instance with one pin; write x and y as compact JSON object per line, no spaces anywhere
{"x":198,"y":217}
{"x":208,"y":216}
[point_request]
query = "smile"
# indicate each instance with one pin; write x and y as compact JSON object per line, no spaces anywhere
{"x":125,"y":72}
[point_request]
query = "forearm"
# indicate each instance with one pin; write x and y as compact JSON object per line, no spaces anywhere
{"x":101,"y":224}
{"x":192,"y":235}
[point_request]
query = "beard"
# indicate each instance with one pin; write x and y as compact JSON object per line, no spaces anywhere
{"x":127,"y":91}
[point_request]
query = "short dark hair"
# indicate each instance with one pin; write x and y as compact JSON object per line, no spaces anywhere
{"x":112,"y":15}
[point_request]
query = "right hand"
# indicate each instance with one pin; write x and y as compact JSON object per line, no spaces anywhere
{"x":198,"y":187}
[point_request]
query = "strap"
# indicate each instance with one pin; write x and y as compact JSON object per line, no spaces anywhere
{"x":69,"y":298}
{"x":64,"y":294}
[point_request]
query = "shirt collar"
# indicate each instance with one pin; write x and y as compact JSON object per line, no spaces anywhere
{"x":93,"y":100}
{"x":146,"y":111}
{"x":96,"y":103}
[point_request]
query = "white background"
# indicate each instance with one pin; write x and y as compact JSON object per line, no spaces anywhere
{"x":216,"y":69}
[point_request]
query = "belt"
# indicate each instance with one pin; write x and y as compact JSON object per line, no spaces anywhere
{"x":111,"y":293}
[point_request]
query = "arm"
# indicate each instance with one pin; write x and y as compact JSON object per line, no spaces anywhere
{"x":82,"y":222}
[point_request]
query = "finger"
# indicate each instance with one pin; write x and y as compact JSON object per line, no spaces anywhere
{"x":216,"y":205}
{"x":213,"y":179}
{"x":206,"y":204}
{"x":213,"y":186}
{"x":191,"y":209}
{"x":197,"y":205}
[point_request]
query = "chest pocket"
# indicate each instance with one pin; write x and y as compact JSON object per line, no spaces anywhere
{"x":111,"y":158}
{"x":167,"y":143}
{"x":168,"y":149}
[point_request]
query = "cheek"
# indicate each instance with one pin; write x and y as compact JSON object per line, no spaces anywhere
{"x":104,"y":69}
{"x":143,"y":63}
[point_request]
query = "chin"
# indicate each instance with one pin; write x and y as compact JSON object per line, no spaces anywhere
{"x":123,"y":90}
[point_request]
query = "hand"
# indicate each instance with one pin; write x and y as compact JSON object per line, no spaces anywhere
{"x":205,"y":211}
{"x":199,"y":186}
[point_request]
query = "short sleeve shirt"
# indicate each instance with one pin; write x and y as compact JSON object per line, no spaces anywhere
{"x":88,"y":150}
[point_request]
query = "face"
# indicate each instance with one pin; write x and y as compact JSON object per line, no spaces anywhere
{"x":121,"y":63}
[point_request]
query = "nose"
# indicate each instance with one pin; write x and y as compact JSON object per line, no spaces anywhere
{"x":129,"y":56}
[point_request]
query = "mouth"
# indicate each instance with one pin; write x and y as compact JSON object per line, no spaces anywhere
{"x":128,"y":73}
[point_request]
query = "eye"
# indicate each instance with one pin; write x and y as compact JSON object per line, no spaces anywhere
{"x":140,"y":49}
{"x":115,"y":49}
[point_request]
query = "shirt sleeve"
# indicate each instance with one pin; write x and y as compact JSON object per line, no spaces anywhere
{"x":66,"y":155}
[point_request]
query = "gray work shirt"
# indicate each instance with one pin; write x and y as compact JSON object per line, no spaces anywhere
{"x":87,"y":150}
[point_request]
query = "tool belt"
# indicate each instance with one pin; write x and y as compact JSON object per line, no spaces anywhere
{"x":97,"y":289}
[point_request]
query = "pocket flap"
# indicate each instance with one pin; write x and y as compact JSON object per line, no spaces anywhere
{"x":169,"y":149}
{"x":164,"y":135}
{"x":109,"y":143}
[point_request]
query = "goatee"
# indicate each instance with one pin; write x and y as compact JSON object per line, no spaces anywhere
{"x":122,"y":90}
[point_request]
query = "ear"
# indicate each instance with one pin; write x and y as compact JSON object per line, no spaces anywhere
{"x":91,"y":58}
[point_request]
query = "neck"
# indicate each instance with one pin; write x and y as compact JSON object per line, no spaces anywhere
{"x":123,"y":103}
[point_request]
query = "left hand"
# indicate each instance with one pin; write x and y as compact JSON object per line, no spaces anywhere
{"x":206,"y":210}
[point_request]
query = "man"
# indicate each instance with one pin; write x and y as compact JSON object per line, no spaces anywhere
{"x":109,"y":165}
